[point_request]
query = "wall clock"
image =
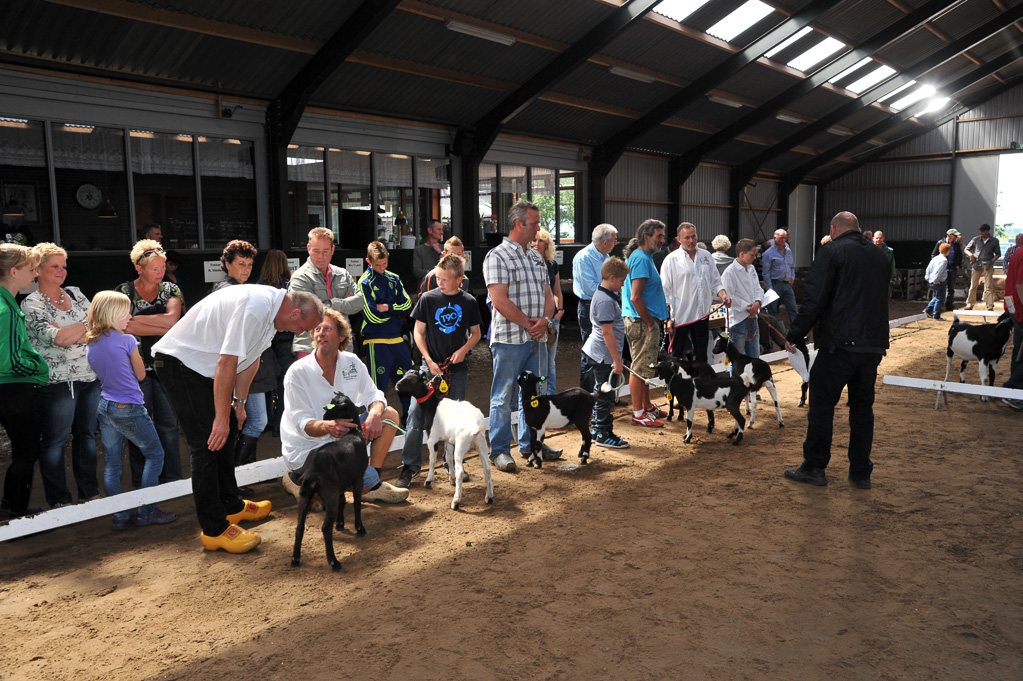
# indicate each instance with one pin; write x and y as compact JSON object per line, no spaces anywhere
{"x":88,"y":196}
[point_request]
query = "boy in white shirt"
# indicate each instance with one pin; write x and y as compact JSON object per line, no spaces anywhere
{"x":741,"y":281}
{"x":937,"y":277}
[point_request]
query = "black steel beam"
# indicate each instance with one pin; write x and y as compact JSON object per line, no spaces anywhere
{"x":812,"y":81}
{"x":793,"y":178}
{"x":612,"y":149}
{"x":872,"y":155}
{"x":865,"y":99}
{"x":490,"y":124}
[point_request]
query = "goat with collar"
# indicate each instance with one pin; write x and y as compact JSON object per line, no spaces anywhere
{"x":762,"y":377}
{"x":694,"y":389}
{"x":459,"y":425}
{"x":984,"y":343}
{"x":541,"y":412}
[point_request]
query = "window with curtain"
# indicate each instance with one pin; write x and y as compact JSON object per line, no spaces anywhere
{"x":306,"y":197}
{"x":92,"y":187}
{"x":24,"y":181}
{"x":163,"y":183}
{"x":433,"y":177}
{"x":351,"y":193}
{"x":396,"y":203}
{"x":543,"y":184}
{"x":226,"y":173}
{"x":488,"y":201}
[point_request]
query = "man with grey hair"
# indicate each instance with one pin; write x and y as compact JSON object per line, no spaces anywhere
{"x":586,"y":278}
{"x":845,"y":304}
{"x":206,"y":363}
{"x":520,"y":291}
{"x":888,"y":253}
{"x":779,"y":274}
{"x":983,"y":250}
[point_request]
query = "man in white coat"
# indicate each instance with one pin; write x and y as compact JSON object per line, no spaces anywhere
{"x":690,"y":281}
{"x":309,"y":386}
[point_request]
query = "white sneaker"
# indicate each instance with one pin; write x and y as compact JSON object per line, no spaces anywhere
{"x":386,"y":493}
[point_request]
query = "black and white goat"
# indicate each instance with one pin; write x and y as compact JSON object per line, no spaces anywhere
{"x":328,"y":472}
{"x":772,"y":332}
{"x":459,"y":425}
{"x":984,"y":343}
{"x":574,"y":406}
{"x":696,"y":392}
{"x":762,"y":377}
{"x":670,"y":366}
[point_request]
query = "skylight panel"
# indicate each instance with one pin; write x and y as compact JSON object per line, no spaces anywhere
{"x":895,"y":93}
{"x":678,"y":9}
{"x":782,"y":46}
{"x":914,"y":97}
{"x":871,"y":79}
{"x":739,"y":20}
{"x":852,"y":68}
{"x":816,"y":54}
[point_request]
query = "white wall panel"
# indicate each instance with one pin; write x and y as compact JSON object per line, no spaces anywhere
{"x":976,"y":191}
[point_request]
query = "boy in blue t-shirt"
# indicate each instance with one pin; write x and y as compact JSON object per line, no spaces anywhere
{"x":602,"y":350}
{"x":447,"y":328}
{"x":386,"y":302}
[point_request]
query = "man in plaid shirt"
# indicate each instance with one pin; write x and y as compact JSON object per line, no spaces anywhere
{"x":520,"y":292}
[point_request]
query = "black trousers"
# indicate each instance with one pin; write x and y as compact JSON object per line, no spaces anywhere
{"x":214,"y":488}
{"x":831,"y":372}
{"x":692,"y":338}
{"x":950,"y":295}
{"x":21,"y":415}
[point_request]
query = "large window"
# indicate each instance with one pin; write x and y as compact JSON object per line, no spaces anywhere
{"x":1009,"y":206}
{"x":24,"y":181}
{"x":226,"y":170}
{"x":555,"y":192}
{"x":306,"y":197}
{"x":434,"y":185}
{"x":396,"y":202}
{"x":92,"y":187}
{"x":163,"y":183}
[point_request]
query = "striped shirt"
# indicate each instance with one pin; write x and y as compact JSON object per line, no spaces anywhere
{"x":525,"y":274}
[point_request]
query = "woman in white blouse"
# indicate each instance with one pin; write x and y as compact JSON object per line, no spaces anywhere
{"x":55,"y":318}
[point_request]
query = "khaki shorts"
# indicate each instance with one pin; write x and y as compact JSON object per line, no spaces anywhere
{"x":643,"y":344}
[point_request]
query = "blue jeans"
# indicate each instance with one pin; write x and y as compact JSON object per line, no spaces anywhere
{"x":551,"y":354}
{"x":412,"y":451}
{"x":64,"y":412}
{"x":131,"y":422}
{"x":784,"y":289}
{"x":745,"y":337}
{"x":934,"y":307}
{"x":285,"y":358}
{"x":598,"y":372}
{"x":585,"y":328}
{"x":510,"y":361}
{"x":166,"y":421}
{"x":255,"y":415}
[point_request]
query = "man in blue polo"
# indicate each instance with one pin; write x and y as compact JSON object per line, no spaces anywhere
{"x":586,"y":278}
{"x":780,"y":274}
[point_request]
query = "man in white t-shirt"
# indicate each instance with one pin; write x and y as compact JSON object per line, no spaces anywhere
{"x":309,"y":386}
{"x":206,"y":363}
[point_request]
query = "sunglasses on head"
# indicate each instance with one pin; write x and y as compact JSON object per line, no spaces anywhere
{"x":149,"y":252}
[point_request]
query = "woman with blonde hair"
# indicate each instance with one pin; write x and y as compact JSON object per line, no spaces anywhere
{"x":156,"y":306}
{"x":721,"y":243}
{"x":55,"y":316}
{"x":115,"y":357}
{"x":23,"y":373}
{"x":543,"y":243}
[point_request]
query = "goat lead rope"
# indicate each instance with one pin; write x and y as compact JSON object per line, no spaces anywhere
{"x":396,"y":426}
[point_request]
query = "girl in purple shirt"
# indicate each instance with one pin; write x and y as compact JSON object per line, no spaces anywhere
{"x":115,"y":358}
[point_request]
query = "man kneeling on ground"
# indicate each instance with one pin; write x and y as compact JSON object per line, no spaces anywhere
{"x":309,"y":386}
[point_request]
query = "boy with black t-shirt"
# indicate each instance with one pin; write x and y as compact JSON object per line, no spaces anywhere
{"x":447,"y":327}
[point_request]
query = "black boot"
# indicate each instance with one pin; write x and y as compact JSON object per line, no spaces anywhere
{"x":245,"y":452}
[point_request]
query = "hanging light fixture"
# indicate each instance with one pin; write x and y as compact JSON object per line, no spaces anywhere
{"x":107,"y":211}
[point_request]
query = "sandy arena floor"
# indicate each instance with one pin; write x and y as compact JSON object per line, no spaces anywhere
{"x":662,"y":561}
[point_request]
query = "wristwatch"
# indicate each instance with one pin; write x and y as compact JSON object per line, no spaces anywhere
{"x":235,"y":400}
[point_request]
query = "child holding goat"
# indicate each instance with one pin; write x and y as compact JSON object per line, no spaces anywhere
{"x":447,"y":328}
{"x":602,"y":350}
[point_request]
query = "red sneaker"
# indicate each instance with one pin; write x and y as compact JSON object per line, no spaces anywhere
{"x":646,"y":420}
{"x":656,"y":412}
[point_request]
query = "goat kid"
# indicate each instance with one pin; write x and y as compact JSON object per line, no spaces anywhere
{"x":574,"y":406}
{"x":984,"y":343}
{"x":459,"y":425}
{"x":328,"y":472}
{"x":666,"y":366}
{"x":762,"y":377}
{"x":693,"y":391}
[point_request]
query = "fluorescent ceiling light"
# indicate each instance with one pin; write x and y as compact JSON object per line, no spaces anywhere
{"x":725,"y":101}
{"x":839,"y":132}
{"x":788,"y":119}
{"x":875,"y":142}
{"x":783,"y":45}
{"x":292,"y":161}
{"x":13,"y":123}
{"x":871,"y":79}
{"x":739,"y":20}
{"x":914,"y":97}
{"x":478,"y":32}
{"x":74,"y":127}
{"x":678,"y":9}
{"x":936,"y":104}
{"x":817,"y":54}
{"x":634,"y":75}
{"x":852,"y":68}
{"x":142,"y":133}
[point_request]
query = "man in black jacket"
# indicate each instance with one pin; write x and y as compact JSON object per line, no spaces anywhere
{"x":955,"y":262}
{"x":846,"y":303}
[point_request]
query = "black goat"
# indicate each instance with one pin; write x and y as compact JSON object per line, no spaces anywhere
{"x":328,"y":472}
{"x":696,"y":392}
{"x":666,"y":366}
{"x":984,"y":343}
{"x":574,"y":406}
{"x":761,"y":373}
